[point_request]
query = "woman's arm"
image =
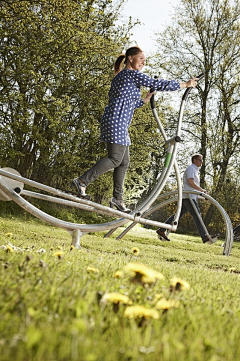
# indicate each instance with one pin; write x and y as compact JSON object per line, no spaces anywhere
{"x":145,"y":80}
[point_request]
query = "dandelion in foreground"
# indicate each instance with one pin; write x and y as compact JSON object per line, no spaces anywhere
{"x":92,"y":269}
{"x":9,"y":248}
{"x":72,"y":247}
{"x":9,"y":234}
{"x":142,"y":274}
{"x":117,"y":298}
{"x":135,"y":251}
{"x":58,"y":254}
{"x":118,"y":274}
{"x":141,"y":312}
{"x":164,"y":304}
{"x":176,"y":284}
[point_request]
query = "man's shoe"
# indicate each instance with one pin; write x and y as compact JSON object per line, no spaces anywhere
{"x":81,"y":188}
{"x":162,"y":235}
{"x":212,"y":240}
{"x":119,"y":205}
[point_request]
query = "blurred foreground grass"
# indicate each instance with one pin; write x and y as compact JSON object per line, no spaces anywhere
{"x":54,"y":299}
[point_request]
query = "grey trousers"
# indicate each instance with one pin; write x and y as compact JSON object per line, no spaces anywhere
{"x":187,"y":207}
{"x":118,"y":159}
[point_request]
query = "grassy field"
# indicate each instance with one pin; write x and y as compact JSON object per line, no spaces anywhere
{"x":98,"y":303}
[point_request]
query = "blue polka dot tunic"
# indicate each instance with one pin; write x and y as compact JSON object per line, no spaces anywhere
{"x":124,"y":98}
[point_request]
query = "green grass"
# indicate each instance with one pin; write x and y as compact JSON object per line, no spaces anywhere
{"x":51,"y":307}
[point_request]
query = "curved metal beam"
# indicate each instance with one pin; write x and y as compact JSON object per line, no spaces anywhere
{"x":63,"y":224}
{"x":228,"y":224}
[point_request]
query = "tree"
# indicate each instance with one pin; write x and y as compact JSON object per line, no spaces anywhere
{"x":205,"y":37}
{"x":56,"y":65}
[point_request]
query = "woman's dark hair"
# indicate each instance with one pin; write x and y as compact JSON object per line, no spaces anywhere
{"x":134,"y":50}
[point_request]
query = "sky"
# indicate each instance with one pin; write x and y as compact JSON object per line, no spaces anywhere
{"x":153,"y":14}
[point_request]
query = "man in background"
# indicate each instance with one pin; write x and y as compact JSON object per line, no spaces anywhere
{"x":191,"y":182}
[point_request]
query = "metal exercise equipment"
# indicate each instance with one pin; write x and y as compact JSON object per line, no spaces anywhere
{"x":12,"y":188}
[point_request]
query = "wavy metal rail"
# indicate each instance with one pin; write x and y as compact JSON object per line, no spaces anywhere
{"x":173,"y":197}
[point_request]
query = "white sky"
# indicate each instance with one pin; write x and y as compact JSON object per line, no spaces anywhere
{"x":153,"y":14}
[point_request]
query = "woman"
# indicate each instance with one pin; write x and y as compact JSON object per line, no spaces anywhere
{"x":124,"y":98}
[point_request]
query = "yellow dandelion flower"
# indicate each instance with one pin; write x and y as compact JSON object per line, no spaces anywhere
{"x":9,"y":234}
{"x":135,"y":251}
{"x":115,"y":297}
{"x":72,"y":247}
{"x":164,"y":304}
{"x":141,"y":273}
{"x":178,"y":285}
{"x":92,"y":269}
{"x":9,"y":248}
{"x":232,"y":269}
{"x":118,"y":274}
{"x":140,"y":312}
{"x":58,"y":254}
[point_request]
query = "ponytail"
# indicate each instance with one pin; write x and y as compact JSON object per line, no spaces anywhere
{"x":118,"y":62}
{"x":134,"y":50}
